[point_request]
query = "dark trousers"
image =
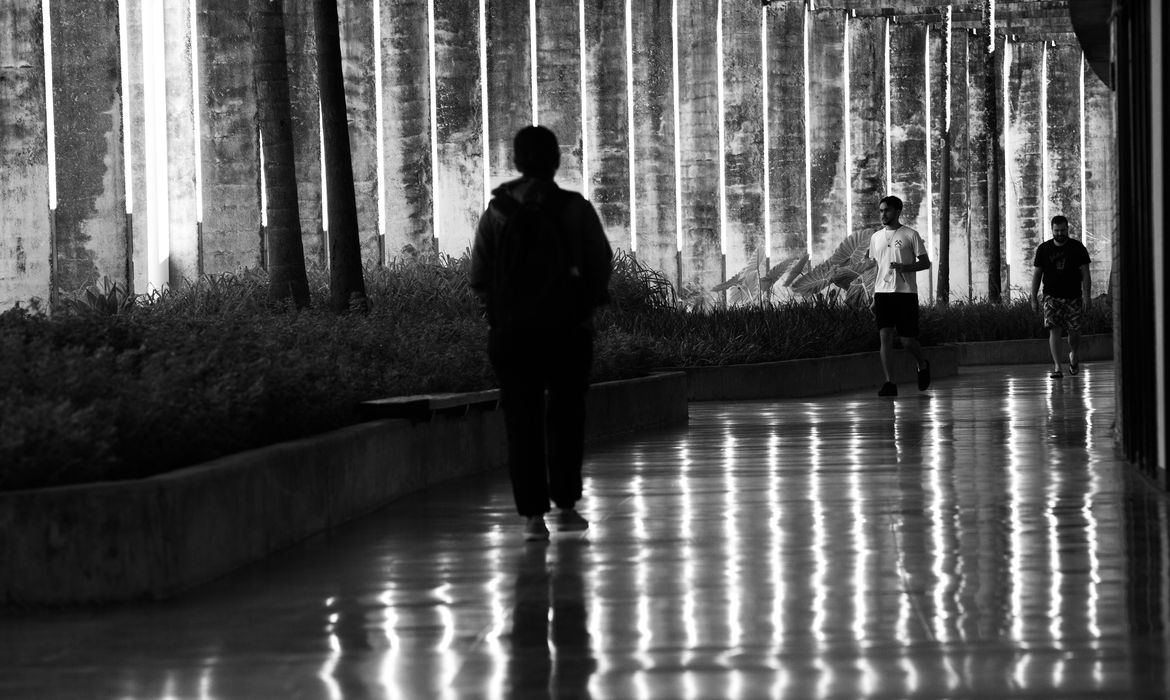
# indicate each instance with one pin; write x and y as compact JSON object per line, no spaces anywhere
{"x":546,"y":434}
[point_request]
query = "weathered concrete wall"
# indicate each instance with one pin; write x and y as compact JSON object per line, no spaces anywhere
{"x":558,"y":83}
{"x":1063,"y":168}
{"x":1099,"y":227}
{"x":829,"y":180}
{"x":24,"y":171}
{"x":654,"y":132}
{"x":1023,"y":163}
{"x":867,"y":118}
{"x":356,"y":18}
{"x":908,"y":128}
{"x":91,"y":203}
{"x":698,"y":134}
{"x":743,"y":124}
{"x":960,"y":168}
{"x":605,"y":124}
{"x":183,"y":233}
{"x":301,"y":47}
{"x":406,"y":120}
{"x":231,"y":161}
{"x":786,"y":144}
{"x":134,"y":132}
{"x":509,"y":82}
{"x":458,"y":182}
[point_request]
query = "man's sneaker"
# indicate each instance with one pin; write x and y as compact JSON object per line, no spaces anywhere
{"x":888,"y":389}
{"x":534,"y":529}
{"x":924,"y":376}
{"x":570,"y":520}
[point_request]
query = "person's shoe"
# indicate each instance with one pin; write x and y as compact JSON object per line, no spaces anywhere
{"x":1073,"y":365}
{"x":1057,"y":375}
{"x":535,"y":529}
{"x":924,"y":376}
{"x":888,"y":389}
{"x":570,"y":520}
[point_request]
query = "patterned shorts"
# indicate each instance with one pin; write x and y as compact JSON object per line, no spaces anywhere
{"x":1062,"y":313}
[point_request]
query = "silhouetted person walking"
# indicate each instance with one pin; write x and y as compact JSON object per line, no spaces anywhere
{"x":541,"y":263}
{"x":1062,"y":264}
{"x":900,"y":255}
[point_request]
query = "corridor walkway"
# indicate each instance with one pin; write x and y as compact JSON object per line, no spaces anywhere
{"x":979,"y":540}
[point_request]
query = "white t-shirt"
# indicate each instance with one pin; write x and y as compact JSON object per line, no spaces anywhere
{"x":902,"y":245}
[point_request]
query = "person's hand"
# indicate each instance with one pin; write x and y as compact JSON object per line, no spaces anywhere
{"x":897,"y":266}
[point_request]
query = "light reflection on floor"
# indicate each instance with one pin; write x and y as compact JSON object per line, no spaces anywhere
{"x":980,"y":540}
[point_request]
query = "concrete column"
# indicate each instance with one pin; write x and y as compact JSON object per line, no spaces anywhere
{"x":908,"y":135}
{"x":356,"y":18}
{"x":1099,"y":227}
{"x":459,"y":172}
{"x":181,"y":141}
{"x":606,"y":122}
{"x":558,"y":80}
{"x":654,"y":138}
{"x":699,"y":140}
{"x":979,"y":151}
{"x":1064,"y":134}
{"x":91,"y":199}
{"x":743,"y":120}
{"x":867,"y":115}
{"x":231,"y":163}
{"x":961,"y":168}
{"x":406,"y":124}
{"x":785,"y":64}
{"x":134,"y":131}
{"x":24,"y":170}
{"x":301,"y":48}
{"x":509,"y":82}
{"x":829,"y":171}
{"x":936,"y":65}
{"x":1022,"y":162}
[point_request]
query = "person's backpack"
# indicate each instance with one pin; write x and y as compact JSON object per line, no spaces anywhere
{"x":538,"y":280}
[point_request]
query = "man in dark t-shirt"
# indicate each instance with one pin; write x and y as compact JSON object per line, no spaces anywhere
{"x":1062,"y":264}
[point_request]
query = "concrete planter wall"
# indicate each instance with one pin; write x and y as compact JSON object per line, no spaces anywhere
{"x":1094,"y":348}
{"x":154,"y":537}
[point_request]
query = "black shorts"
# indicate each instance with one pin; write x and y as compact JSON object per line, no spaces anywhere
{"x":897,"y":310}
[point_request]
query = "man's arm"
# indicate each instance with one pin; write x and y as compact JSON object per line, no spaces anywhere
{"x":922,"y":263}
{"x":1086,"y":287}
{"x":1037,"y":275}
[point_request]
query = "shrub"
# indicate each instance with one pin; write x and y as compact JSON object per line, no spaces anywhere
{"x":117,"y":387}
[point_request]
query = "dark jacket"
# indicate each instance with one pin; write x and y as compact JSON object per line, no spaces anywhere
{"x":577,"y":218}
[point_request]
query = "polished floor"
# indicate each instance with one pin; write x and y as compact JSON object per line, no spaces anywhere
{"x":979,"y":540}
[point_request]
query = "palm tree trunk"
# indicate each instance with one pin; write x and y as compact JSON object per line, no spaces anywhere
{"x":347,"y":287}
{"x":286,"y":255}
{"x":994,"y":269}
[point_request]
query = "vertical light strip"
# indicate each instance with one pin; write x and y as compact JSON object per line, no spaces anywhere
{"x":720,"y":101}
{"x":196,"y":102}
{"x":848,"y":133}
{"x":1044,"y":139}
{"x":947,"y":71}
{"x":324,"y":180}
{"x":379,"y":129}
{"x":678,"y":217}
{"x":808,"y":227}
{"x":929,"y":152}
{"x":50,"y":126}
{"x":1009,"y":204}
{"x":484,"y":123}
{"x":263,"y":182}
{"x":767,"y":137}
{"x":532,"y":61}
{"x":630,"y":145}
{"x":432,"y":60}
{"x":886,"y":96}
{"x":585,"y":144}
{"x":154,"y":94}
{"x":124,"y":66}
{"x":1084,"y":232}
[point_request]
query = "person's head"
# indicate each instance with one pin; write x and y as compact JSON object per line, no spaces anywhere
{"x":1060,"y":229}
{"x":890,"y":209}
{"x":535,"y":152}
